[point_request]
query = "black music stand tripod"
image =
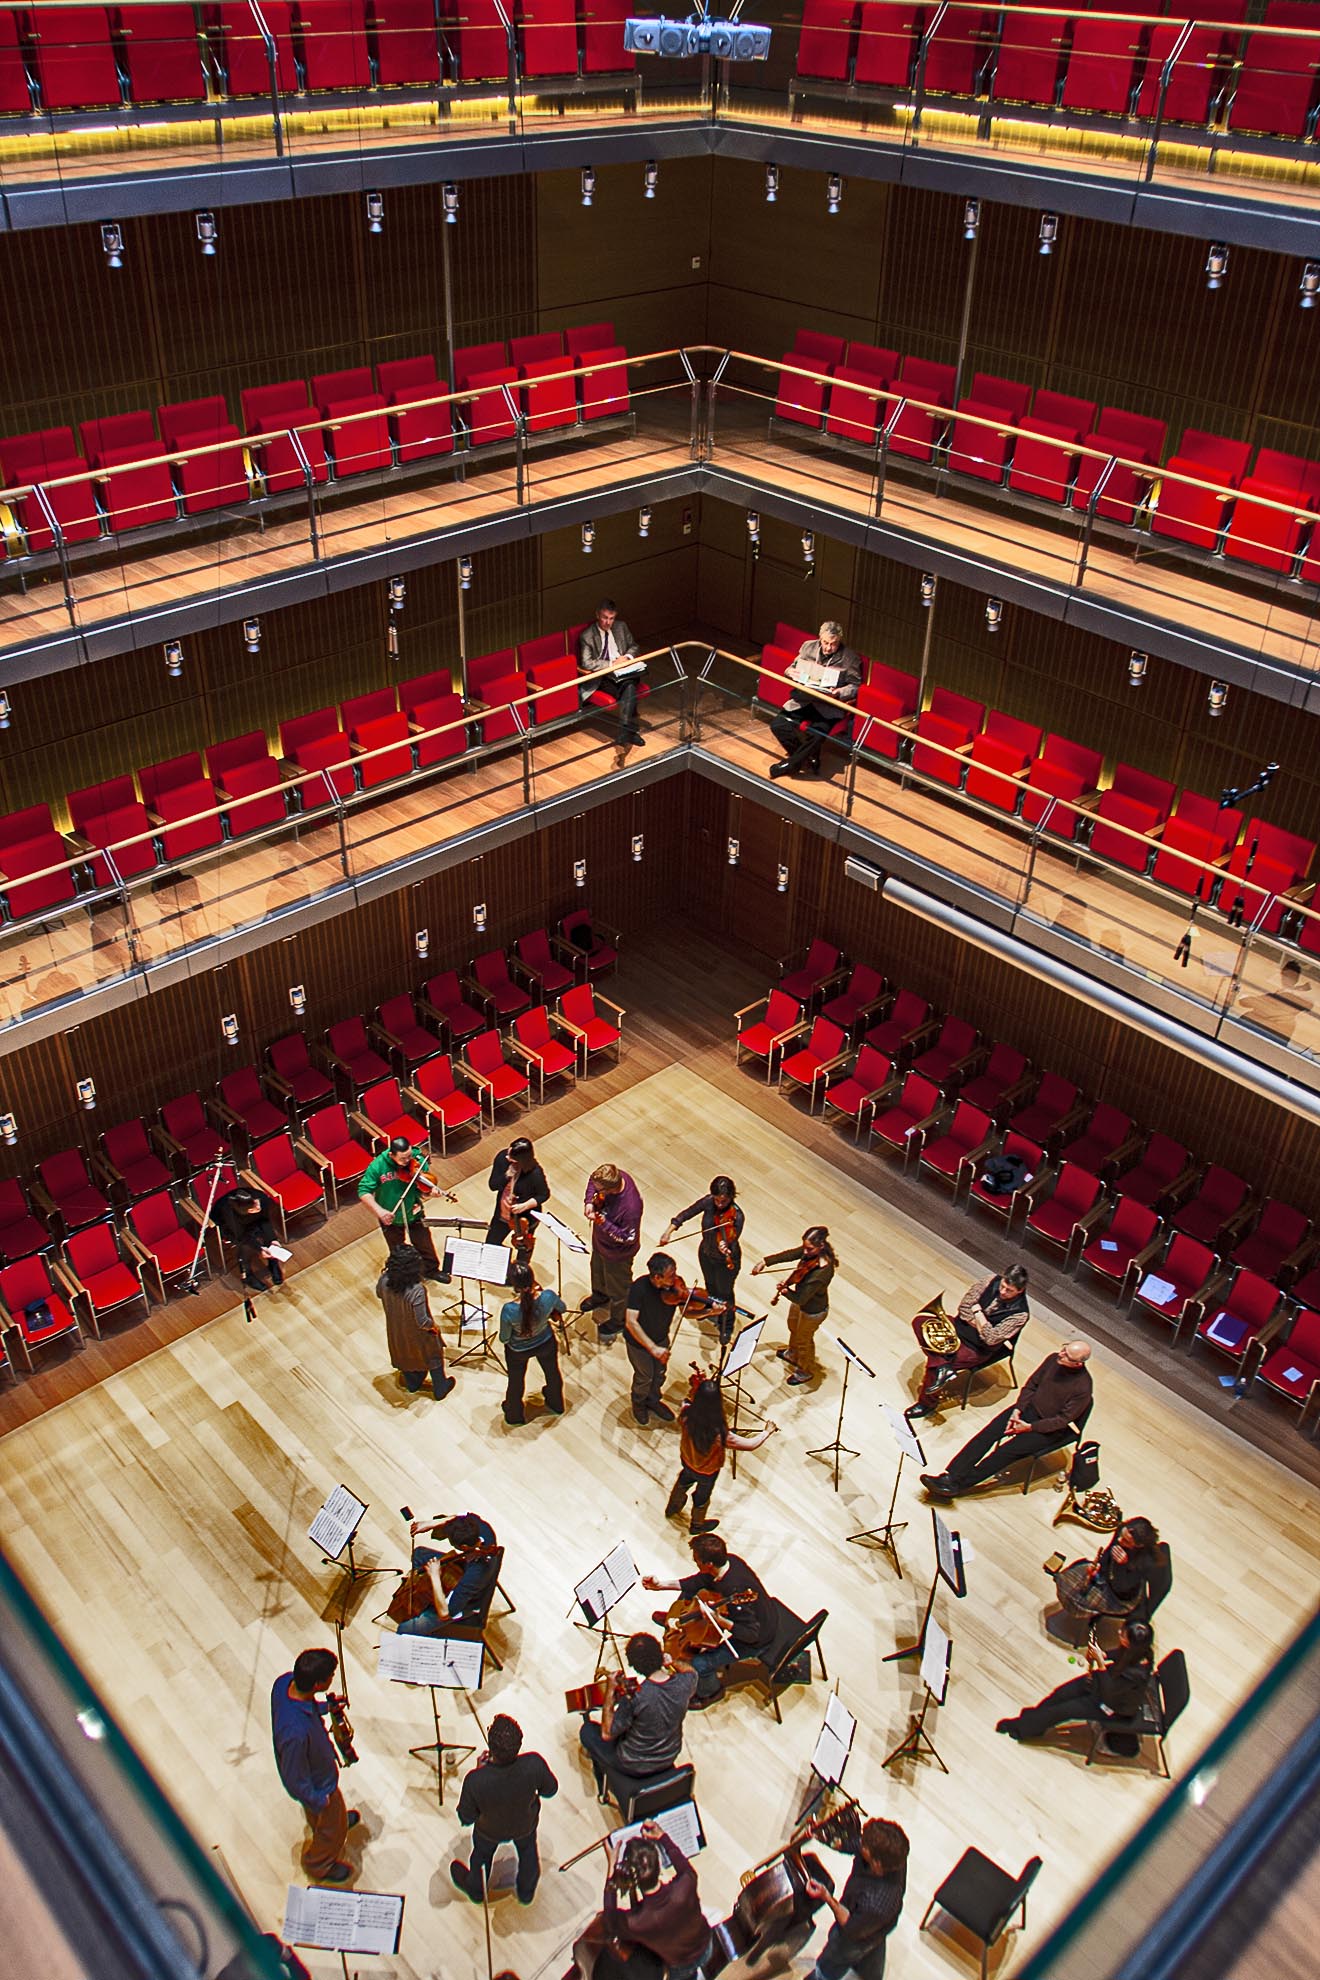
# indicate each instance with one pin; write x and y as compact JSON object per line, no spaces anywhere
{"x":916,"y":1741}
{"x":884,"y":1534}
{"x":836,"y":1448}
{"x":439,"y":1746}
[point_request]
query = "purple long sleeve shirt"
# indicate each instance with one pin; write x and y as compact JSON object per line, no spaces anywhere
{"x":618,"y":1233}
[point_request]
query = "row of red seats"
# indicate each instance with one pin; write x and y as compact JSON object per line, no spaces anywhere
{"x":1189,"y":1243}
{"x":1044,"y":461}
{"x":191,"y":804}
{"x":86,"y":58}
{"x":304,"y":1128}
{"x":1262,"y":83}
{"x":353,"y":423}
{"x":1253,"y":871}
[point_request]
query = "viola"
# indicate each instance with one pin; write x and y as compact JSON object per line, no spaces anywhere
{"x":341,"y":1732}
{"x":417,"y":1176}
{"x":591,"y":1697}
{"x":724,"y":1226}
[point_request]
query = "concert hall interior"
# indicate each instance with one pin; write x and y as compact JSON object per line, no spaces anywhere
{"x":727,"y":617}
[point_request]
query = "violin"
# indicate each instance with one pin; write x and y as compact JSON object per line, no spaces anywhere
{"x":341,"y":1732}
{"x":591,"y":1697}
{"x":700,"y":1621}
{"x":799,"y":1272}
{"x":417,"y":1176}
{"x":693,"y":1299}
{"x":725,"y":1230}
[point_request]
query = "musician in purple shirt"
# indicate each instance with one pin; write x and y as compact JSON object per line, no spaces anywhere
{"x":613,"y":1207}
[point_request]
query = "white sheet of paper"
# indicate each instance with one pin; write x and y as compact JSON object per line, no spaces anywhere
{"x":1226,"y":1329}
{"x":569,"y":1239}
{"x":1156,"y":1288}
{"x":625,"y":670}
{"x":935,"y":1660}
{"x":948,"y":1552}
{"x":488,"y":1263}
{"x":280,"y":1253}
{"x":1107,"y":1244}
{"x":834,"y":1741}
{"x":336,"y":1522}
{"x":814,"y":673}
{"x":608,"y":1583}
{"x":902,"y":1432}
{"x":343,"y":1921}
{"x":745,"y":1344}
{"x":682,"y":1825}
{"x":451,"y":1661}
{"x":1292,"y":1374}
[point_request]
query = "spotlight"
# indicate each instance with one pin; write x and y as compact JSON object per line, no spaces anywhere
{"x":971,"y":218}
{"x":1049,"y":232}
{"x":479,"y":916}
{"x":398,"y":594}
{"x":1309,"y":284}
{"x":771,"y":184}
{"x":173,"y":659}
{"x":735,"y":851}
{"x":994,"y":612}
{"x":1216,"y":265}
{"x":1217,"y":699}
{"x":809,"y":549}
{"x":207,"y":232}
{"x":588,"y":184}
{"x":588,"y":538}
{"x":754,"y":531}
{"x":375,"y":213}
{"x":465,"y":574}
{"x":8,"y":1130}
{"x":650,"y":178}
{"x":1137,"y":665}
{"x":833,"y":193}
{"x":781,"y":879}
{"x":112,"y":244}
{"x":392,"y":640}
{"x":638,"y":846}
{"x":422,"y":943}
{"x":643,"y":522}
{"x":4,"y":710}
{"x":928,"y":589}
{"x":252,"y":635}
{"x":229,"y":1028}
{"x":579,"y":872}
{"x":298,"y":998}
{"x":86,"y":1092}
{"x":449,"y":200}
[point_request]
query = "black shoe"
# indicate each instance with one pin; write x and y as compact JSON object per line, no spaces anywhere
{"x":702,"y":1525}
{"x":469,"y":1885}
{"x":276,"y":1272}
{"x":784,"y":769}
{"x":938,"y":1486}
{"x":606,"y":1333}
{"x":919,"y":1410}
{"x":255,"y":1285}
{"x":663,"y":1411}
{"x":699,"y":1704}
{"x":442,"y":1389}
{"x":513,"y":1419}
{"x":338,"y":1873}
{"x":675,"y":1503}
{"x":1009,"y":1726}
{"x":639,"y":1416}
{"x":592,"y":1301}
{"x":354,"y":1817}
{"x":1126,"y":1745}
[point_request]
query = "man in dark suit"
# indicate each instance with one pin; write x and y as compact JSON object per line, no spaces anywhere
{"x":601,"y":647}
{"x":803,"y":723}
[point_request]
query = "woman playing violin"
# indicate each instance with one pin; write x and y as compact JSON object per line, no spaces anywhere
{"x":527,"y":1331}
{"x":719,"y":1251}
{"x":807,"y":1289}
{"x":395,"y":1184}
{"x":459,"y":1572}
{"x":520,"y":1187}
{"x":704,"y":1437}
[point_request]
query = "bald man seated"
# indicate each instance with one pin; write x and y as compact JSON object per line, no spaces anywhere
{"x":1051,"y":1402}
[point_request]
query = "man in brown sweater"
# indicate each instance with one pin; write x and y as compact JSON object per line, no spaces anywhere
{"x":1051,"y":1400}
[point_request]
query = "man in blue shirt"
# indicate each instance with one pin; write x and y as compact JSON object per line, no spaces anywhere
{"x":472,"y":1540}
{"x":307,"y":1764}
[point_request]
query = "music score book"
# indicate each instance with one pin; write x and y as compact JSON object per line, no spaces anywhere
{"x":834,"y":1742}
{"x":452,"y":1661}
{"x":343,"y":1921}
{"x":608,"y":1583}
{"x":682,"y":1825}
{"x":337,"y":1522}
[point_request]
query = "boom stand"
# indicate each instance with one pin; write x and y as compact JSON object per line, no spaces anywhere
{"x":352,"y":1574}
{"x":915,"y":1649}
{"x":440,"y":1746}
{"x":836,"y":1448}
{"x":608,"y":1640}
{"x":916,"y":1740}
{"x":883,"y":1535}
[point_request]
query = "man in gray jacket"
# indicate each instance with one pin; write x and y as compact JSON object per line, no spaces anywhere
{"x":601,"y":646}
{"x":803,"y":723}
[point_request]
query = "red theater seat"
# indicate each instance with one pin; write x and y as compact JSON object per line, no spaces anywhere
{"x":886,"y":44}
{"x":186,"y":1134}
{"x":1029,"y":58}
{"x":21,"y":1234}
{"x":65,"y":1189}
{"x":979,"y":449}
{"x":101,"y":1278}
{"x":27,"y":1283}
{"x":780,"y":1020}
{"x":379,"y":762}
{"x":94,"y":800}
{"x":914,"y":431}
{"x":223,"y":756}
{"x":1202,"y":67}
{"x":442,"y":1000}
{"x":1175,"y":1287}
{"x":129,"y":1162}
{"x":955,"y":1051}
{"x":243,"y":1104}
{"x":1159,"y":1177}
{"x":549,"y":394}
{"x":820,"y":969}
{"x":1045,"y":458}
{"x":407,"y":49}
{"x":1133,"y":1236}
{"x":495,"y":988}
{"x":1048,"y":798}
{"x":334,"y":44}
{"x":1127,"y":438}
{"x":1275,"y":90}
{"x":139,"y":495}
{"x":1104,"y":1142}
{"x":33,"y":822}
{"x":154,"y":1235}
{"x":496,"y":1079}
{"x":161,"y":55}
{"x":293,"y":1073}
{"x":1292,"y":1370}
{"x":357,"y":439}
{"x":859,"y":1001}
{"x":329,"y":1144}
{"x":799,"y":398}
{"x":821,"y":346}
{"x":126,"y":833}
{"x":44,"y":857}
{"x":1196,"y":515}
{"x":254,"y":797}
{"x":1185,"y":860}
{"x":537,"y":960}
{"x":531,"y":1040}
{"x":1083,"y":761}
{"x":604,"y":382}
{"x":438,"y":730}
{"x":1064,"y":1214}
{"x":995,"y":771}
{"x":191,"y":819}
{"x":300,"y":729}
{"x":274,"y":411}
{"x":442,"y":1102}
{"x":330,"y":758}
{"x":1102,"y":65}
{"x":1006,"y":1080}
{"x":958,"y":40}
{"x":74,"y":59}
{"x":156,"y":778}
{"x":825,"y":39}
{"x":1278,"y":1244}
{"x":15,"y":96}
{"x":490,"y":415}
{"x":247,"y":68}
{"x":1118,"y":818}
{"x":481,"y":46}
{"x":943,"y":762}
{"x":472,"y":358}
{"x":909,"y":1022}
{"x":1054,"y":1109}
{"x":483,"y":668}
{"x":396,"y":1026}
{"x":603,"y":52}
{"x":903,"y":1126}
{"x":422,"y":688}
{"x":1157,"y":792}
{"x":369,"y":707}
{"x":549,"y":38}
{"x":854,"y":410}
{"x":879,"y":364}
{"x":555,"y":682}
{"x":1223,"y":823}
{"x":383,"y":1115}
{"x":275,"y":1170}
{"x":1011,"y":729}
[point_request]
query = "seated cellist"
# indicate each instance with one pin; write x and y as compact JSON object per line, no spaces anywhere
{"x":730,"y":1583}
{"x":446,"y":1584}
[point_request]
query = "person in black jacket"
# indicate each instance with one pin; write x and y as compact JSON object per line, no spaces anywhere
{"x":501,"y":1801}
{"x":719,"y":1248}
{"x":869,"y":1906}
{"x":246,"y":1217}
{"x":519,"y":1185}
{"x":1112,"y":1694}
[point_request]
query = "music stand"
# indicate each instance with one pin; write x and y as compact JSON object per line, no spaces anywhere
{"x":485,"y":1265}
{"x":441,"y":1663}
{"x":681,"y":1823}
{"x":737,"y":1357}
{"x":934,"y":1686}
{"x":948,"y":1567}
{"x":596,"y":1595}
{"x":830,"y":1754}
{"x":333,"y":1530}
{"x":909,"y":1445}
{"x":563,"y":1236}
{"x":342,"y":1921}
{"x":836,"y":1447}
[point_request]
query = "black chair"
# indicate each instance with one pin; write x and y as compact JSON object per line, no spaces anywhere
{"x":641,"y":1801}
{"x":1166,"y":1701}
{"x":1072,"y":1434}
{"x":982,"y":1898}
{"x":1004,"y":1352}
{"x":476,"y":1624}
{"x":773,"y":1666}
{"x":1158,"y":1582}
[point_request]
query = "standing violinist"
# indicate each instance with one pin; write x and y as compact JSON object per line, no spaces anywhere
{"x":468,"y":1565}
{"x":519,"y":1185}
{"x":750,"y":1613}
{"x":526,"y":1330}
{"x":719,"y":1249}
{"x":814,"y":1264}
{"x":307,"y":1764}
{"x":392,"y":1184}
{"x":613,"y":1207}
{"x":869,"y":1906}
{"x":703,"y":1438}
{"x":649,"y":1312}
{"x":641,"y":1725}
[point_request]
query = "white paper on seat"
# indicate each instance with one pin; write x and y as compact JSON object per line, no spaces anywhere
{"x":1292,"y":1374}
{"x":1154,"y":1288}
{"x":1226,"y":1329}
{"x":1107,"y":1244}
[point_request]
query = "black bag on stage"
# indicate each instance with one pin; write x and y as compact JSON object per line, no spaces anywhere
{"x":1084,"y":1472}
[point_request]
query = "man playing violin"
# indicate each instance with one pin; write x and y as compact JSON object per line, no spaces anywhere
{"x":520,"y":1187}
{"x":306,"y":1761}
{"x":867,"y":1910}
{"x":750,"y":1611}
{"x":613,"y":1208}
{"x":460,"y":1573}
{"x":807,"y":1289}
{"x":641,"y":1725}
{"x":719,"y":1249}
{"x":395,"y":1183}
{"x":652,"y":1304}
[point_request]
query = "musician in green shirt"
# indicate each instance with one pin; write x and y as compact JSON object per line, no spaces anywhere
{"x":396,"y":1184}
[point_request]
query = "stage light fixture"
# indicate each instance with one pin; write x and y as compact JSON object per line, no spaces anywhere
{"x":588,"y":184}
{"x":229,"y":1028}
{"x":994,"y":612}
{"x":809,"y":549}
{"x":579,"y":872}
{"x":449,"y":200}
{"x":8,"y":1130}
{"x":1309,"y":286}
{"x":398,"y":594}
{"x":928,"y":589}
{"x":1216,"y":265}
{"x":465,"y":574}
{"x":86,"y":1092}
{"x":297,"y":998}
{"x":735,"y":851}
{"x":833,"y":193}
{"x":971,"y":218}
{"x":754,"y":531}
{"x":173,"y":659}
{"x":1137,"y":665}
{"x":252,"y":635}
{"x":650,"y":178}
{"x":588,"y":538}
{"x":1049,"y":232}
{"x":771,"y":184}
{"x":392,"y":640}
{"x":112,"y":243}
{"x":4,"y":710}
{"x":422,"y":943}
{"x":638,"y":847}
{"x":479,"y":916}
{"x":644,"y":522}
{"x":781,"y":879}
{"x":375,"y":213}
{"x":207,"y":232}
{"x":1217,"y":699}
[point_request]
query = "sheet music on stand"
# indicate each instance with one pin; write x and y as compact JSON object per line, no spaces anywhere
{"x":935,"y":1661}
{"x":454,"y":1662}
{"x":903,"y":1434}
{"x":682,"y":1825}
{"x":569,"y":1239}
{"x":342,"y":1921}
{"x":608,"y":1583}
{"x":744,"y":1346}
{"x":337,"y":1522}
{"x":948,"y":1555}
{"x":853,"y":1355}
{"x":834,"y":1742}
{"x":487,"y":1263}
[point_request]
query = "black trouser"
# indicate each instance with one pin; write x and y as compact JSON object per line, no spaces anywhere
{"x":545,"y":1352}
{"x":1077,"y":1699}
{"x":719,"y":1276}
{"x":419,"y":1237}
{"x":498,"y":1233}
{"x":800,"y":731}
{"x":648,"y":1377}
{"x":986,"y":1454}
{"x":624,"y":693}
{"x":687,"y":1478}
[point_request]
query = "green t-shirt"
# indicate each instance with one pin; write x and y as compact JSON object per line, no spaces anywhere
{"x":382,"y":1180}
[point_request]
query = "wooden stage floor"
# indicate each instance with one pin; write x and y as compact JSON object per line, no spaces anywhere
{"x":163,"y":1516}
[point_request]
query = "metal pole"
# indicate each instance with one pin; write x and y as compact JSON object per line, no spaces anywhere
{"x":965,"y":326}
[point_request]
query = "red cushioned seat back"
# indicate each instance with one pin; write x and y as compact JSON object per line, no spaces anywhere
{"x":532,"y":349}
{"x":1102,"y":65}
{"x":423,"y":687}
{"x":1276,"y":86}
{"x":960,"y":709}
{"x":1005,"y":393}
{"x":604,"y":382}
{"x":27,"y":456}
{"x":443,"y":715}
{"x":504,"y":720}
{"x":1086,"y":763}
{"x":31,"y":823}
{"x":94,"y":800}
{"x":379,"y":735}
{"x":549,"y":39}
{"x":893,"y":681}
{"x":1043,"y":466}
{"x":268,"y":406}
{"x":1288,"y":848}
{"x":156,"y":778}
{"x":603,"y":52}
{"x":327,"y":1129}
{"x":361,"y":443}
{"x":246,"y":65}
{"x":797,"y":397}
{"x":334,"y":44}
{"x":1062,"y":409}
{"x":1157,"y":792}
{"x":490,"y":415}
{"x":854,"y":410}
{"x":139,"y":495}
{"x":331,"y":755}
{"x":65,"y":1174}
{"x":480,"y":43}
{"x":485,"y":667}
{"x":120,"y":433}
{"x":976,"y":447}
{"x":92,"y":1251}
{"x":879,"y":711}
{"x":879,"y":364}
{"x":1131,"y":435}
{"x":485,"y":1053}
{"x":299,"y":729}
{"x":224,"y":756}
{"x":274,"y":1160}
{"x":559,"y":676}
{"x":937,"y":762}
{"x":886,"y":44}
{"x":820,"y":346}
{"x":550,"y":394}
{"x":192,"y":824}
{"x":993,"y":773}
{"x":825,"y":39}
{"x":533,"y":1028}
{"x":589,"y":337}
{"x":330,"y":388}
{"x":1117,"y":819}
{"x":75,"y":61}
{"x":421,"y":432}
{"x":1029,"y":57}
{"x":1044,"y":802}
{"x":1011,"y":729}
{"x":369,"y":707}
{"x":15,"y":97}
{"x":932,"y":383}
{"x":407,"y":48}
{"x":155,"y":1218}
{"x":127,"y":834}
{"x":194,"y":422}
{"x":472,"y":358}
{"x":46,"y":857}
{"x":259,"y":787}
{"x":161,"y":55}
{"x":408,"y":376}
{"x":538,"y":652}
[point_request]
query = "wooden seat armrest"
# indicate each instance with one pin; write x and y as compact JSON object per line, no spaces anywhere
{"x":835,"y":980}
{"x":43,"y":1199}
{"x":419,"y":1100}
{"x":1031,"y":1190}
{"x":568,"y":952}
{"x":975,"y":1155}
{"x":334,"y":1064}
{"x":465,"y":1075}
{"x":1241,"y":1217}
{"x":868,"y":1014}
{"x":1112,"y":1163}
{"x":1074,"y":1117}
{"x":386,"y":1038}
{"x":483,"y":1084}
{"x":518,"y":969}
{"x":165,"y":1141}
{"x":782,"y":1038}
{"x":104,"y":1169}
{"x":135,"y":1247}
{"x":923,"y":1036}
{"x":938,"y":1116}
{"x":962,"y":1069}
{"x":194,"y":1213}
{"x":1088,"y":1220}
{"x":560,"y":1023}
{"x":891,"y":1086}
{"x":1181,"y":1186}
{"x":479,"y":991}
{"x":831,"y":1065}
{"x":282,"y":1086}
{"x":760,"y":1005}
{"x":1275,"y":1326}
{"x":1015,"y":1095}
{"x":66,"y":1278}
{"x":1293,"y":1263}
{"x":252,"y":1180}
{"x":525,"y":1052}
{"x":610,"y":1005}
{"x":318,"y":1161}
{"x":1196,"y":1308}
{"x":612,"y":935}
{"x":367,"y":1127}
